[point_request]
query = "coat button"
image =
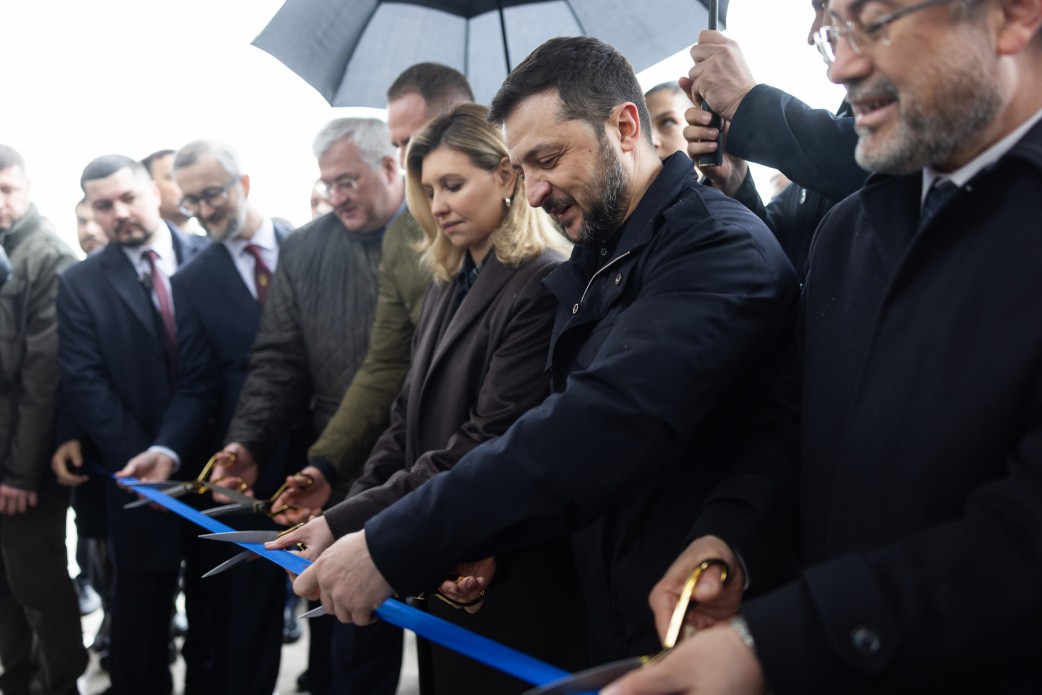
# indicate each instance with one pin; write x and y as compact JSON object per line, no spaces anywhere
{"x":865,"y":640}
{"x":575,"y":309}
{"x":618,"y":279}
{"x":604,"y":252}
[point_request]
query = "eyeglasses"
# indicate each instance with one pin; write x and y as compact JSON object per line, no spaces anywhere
{"x":341,"y":186}
{"x":214,"y":197}
{"x":862,"y":35}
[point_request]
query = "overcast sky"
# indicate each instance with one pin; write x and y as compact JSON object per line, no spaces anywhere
{"x":83,"y":79}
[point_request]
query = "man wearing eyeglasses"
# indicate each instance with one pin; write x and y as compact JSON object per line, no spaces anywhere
{"x":219,"y":298}
{"x":117,"y":351}
{"x":907,"y":443}
{"x":812,"y":147}
{"x":314,"y":333}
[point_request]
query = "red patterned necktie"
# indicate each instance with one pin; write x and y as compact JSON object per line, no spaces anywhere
{"x":261,"y":273}
{"x":166,"y":305}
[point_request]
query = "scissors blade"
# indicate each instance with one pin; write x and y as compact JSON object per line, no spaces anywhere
{"x":234,"y":561}
{"x":170,"y":490}
{"x":315,"y":613}
{"x":225,"y":509}
{"x":239,"y":497}
{"x":592,"y":679}
{"x":161,"y":485}
{"x":242,"y":536}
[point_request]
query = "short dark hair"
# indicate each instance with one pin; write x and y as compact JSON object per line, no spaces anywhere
{"x":9,"y":157}
{"x":590,"y":77}
{"x":108,"y":164}
{"x":148,"y":161}
{"x":439,"y":85}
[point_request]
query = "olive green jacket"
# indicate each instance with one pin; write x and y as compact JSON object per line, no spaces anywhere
{"x":364,"y":412}
{"x":29,"y":349}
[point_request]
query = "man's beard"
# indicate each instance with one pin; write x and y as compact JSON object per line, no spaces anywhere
{"x":231,"y":230}
{"x":964,"y":102}
{"x":609,"y":193}
{"x":131,"y":242}
{"x":610,"y":200}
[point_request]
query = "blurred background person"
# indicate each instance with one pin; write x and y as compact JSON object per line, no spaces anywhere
{"x":667,"y":104}
{"x":41,"y":647}
{"x":160,"y":166}
{"x":88,"y":232}
{"x":319,"y":204}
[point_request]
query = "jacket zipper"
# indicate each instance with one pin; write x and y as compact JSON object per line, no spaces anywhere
{"x":575,"y":309}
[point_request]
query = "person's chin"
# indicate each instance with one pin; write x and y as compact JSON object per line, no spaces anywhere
{"x":351,"y":221}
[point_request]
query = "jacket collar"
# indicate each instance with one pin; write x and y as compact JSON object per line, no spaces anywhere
{"x":891,"y":203}
{"x":677,"y":174}
{"x":22,"y":228}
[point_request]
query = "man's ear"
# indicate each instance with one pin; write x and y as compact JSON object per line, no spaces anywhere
{"x":1021,"y":21}
{"x":389,"y":167}
{"x":625,"y":119}
{"x":505,"y":174}
{"x":245,"y":181}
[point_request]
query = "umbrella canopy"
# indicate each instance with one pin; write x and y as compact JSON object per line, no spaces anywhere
{"x":352,"y":50}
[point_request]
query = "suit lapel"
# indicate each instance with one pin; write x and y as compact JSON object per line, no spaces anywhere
{"x":121,"y":276}
{"x":186,"y":246}
{"x":228,"y":282}
{"x":490,"y":281}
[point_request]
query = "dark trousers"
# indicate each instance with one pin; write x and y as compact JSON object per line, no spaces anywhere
{"x":366,"y":660}
{"x":141,"y":611}
{"x":40,"y":635}
{"x":235,"y":628}
{"x":142,"y":607}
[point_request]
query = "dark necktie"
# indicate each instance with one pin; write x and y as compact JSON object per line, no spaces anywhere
{"x":261,"y":273}
{"x":937,"y":197}
{"x":166,"y":306}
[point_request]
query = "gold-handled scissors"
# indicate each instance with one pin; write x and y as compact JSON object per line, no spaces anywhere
{"x":175,"y":488}
{"x":244,"y":504}
{"x":595,"y":678}
{"x":256,"y":536}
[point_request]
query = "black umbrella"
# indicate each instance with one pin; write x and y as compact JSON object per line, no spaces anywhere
{"x":351,"y":50}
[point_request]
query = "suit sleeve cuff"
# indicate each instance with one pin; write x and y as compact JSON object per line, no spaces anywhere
{"x":167,"y":451}
{"x":327,"y":469}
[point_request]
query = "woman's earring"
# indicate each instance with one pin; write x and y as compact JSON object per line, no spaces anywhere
{"x":507,"y":201}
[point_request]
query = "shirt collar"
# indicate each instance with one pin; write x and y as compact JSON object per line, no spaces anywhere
{"x":162,"y":243}
{"x":961,"y":176}
{"x":264,"y":237}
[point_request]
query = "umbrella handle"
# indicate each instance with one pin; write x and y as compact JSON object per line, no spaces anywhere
{"x":716,"y":158}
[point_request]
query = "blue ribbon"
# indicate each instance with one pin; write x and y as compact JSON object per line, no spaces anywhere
{"x":446,"y":634}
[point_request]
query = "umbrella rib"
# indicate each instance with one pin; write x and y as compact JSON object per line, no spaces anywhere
{"x":351,"y":53}
{"x":503,"y":31}
{"x":575,"y":16}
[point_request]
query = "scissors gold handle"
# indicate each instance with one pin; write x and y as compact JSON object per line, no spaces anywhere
{"x":677,"y":621}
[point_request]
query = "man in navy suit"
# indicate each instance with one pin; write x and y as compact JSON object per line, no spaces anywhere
{"x":219,"y":299}
{"x":117,"y":354}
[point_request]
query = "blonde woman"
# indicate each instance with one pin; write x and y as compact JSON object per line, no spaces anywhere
{"x":479,"y":356}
